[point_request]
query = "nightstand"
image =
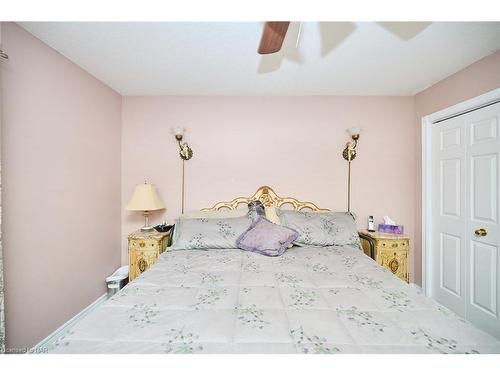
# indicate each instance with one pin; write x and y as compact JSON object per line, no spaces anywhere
{"x":144,"y":248}
{"x":389,"y":250}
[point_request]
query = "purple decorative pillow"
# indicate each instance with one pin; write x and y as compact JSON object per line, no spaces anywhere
{"x":266,"y":238}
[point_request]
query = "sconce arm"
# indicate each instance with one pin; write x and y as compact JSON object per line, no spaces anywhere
{"x":185,"y":152}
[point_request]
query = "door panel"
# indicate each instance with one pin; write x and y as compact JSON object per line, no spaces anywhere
{"x":483,"y":283}
{"x":450,"y":187}
{"x":483,"y":131}
{"x":449,"y":216}
{"x":450,"y":138}
{"x":450,"y":263}
{"x":484,"y":189}
{"x":483,"y":277}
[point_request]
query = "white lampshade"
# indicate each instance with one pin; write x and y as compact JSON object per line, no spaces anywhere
{"x":178,"y":130}
{"x":354,"y":131}
{"x":145,"y":198}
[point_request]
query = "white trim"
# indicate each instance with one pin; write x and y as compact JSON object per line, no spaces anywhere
{"x":426,"y":204}
{"x":427,"y":121}
{"x":48,"y":342}
{"x":416,"y":286}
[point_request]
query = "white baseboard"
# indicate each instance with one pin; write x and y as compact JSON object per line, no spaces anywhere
{"x":48,"y":342}
{"x":413,"y":285}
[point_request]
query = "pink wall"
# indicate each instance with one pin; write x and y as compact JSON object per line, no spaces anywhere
{"x":476,"y":79}
{"x":61,"y":187}
{"x":293,"y":144}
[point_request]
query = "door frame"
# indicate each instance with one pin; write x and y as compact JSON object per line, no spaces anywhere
{"x":427,"y":122}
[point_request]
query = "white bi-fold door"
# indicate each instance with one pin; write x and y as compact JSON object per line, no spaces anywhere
{"x":465,"y":202}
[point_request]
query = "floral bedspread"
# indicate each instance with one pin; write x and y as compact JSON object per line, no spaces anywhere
{"x":309,"y":300}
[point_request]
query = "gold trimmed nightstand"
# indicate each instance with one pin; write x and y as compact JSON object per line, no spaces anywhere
{"x":389,"y":250}
{"x":144,"y":248}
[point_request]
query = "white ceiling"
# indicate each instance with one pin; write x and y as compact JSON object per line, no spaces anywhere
{"x":218,"y":58}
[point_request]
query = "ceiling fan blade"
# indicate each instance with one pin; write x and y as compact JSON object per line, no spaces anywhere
{"x":272,"y":37}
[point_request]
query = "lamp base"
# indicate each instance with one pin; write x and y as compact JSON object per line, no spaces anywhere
{"x":146,"y":227}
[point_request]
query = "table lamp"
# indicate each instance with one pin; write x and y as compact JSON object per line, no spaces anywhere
{"x":145,"y":198}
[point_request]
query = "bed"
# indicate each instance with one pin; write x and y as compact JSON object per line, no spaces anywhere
{"x":330,"y":299}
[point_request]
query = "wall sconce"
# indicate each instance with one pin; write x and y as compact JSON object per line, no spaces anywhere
{"x":185,"y":152}
{"x":349,"y":154}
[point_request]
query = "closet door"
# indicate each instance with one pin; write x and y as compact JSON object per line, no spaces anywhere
{"x":466,"y":233}
{"x":449,"y":216}
{"x":483,"y":230}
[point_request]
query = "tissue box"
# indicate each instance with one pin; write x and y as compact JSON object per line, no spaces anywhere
{"x":388,"y":228}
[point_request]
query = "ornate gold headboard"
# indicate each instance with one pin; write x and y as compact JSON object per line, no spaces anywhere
{"x":269,"y":198}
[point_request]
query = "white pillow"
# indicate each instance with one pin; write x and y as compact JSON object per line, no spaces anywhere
{"x":272,"y":215}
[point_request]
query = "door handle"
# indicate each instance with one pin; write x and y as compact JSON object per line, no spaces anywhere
{"x":481,"y":232}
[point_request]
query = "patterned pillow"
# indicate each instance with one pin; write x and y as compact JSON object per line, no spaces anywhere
{"x":266,"y":238}
{"x":321,"y":228}
{"x":204,"y":233}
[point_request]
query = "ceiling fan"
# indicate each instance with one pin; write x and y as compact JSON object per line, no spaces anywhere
{"x":273,"y":36}
{"x":274,"y":33}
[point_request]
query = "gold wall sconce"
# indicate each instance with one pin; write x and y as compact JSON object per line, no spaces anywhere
{"x":349,"y":154}
{"x":185,"y":153}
